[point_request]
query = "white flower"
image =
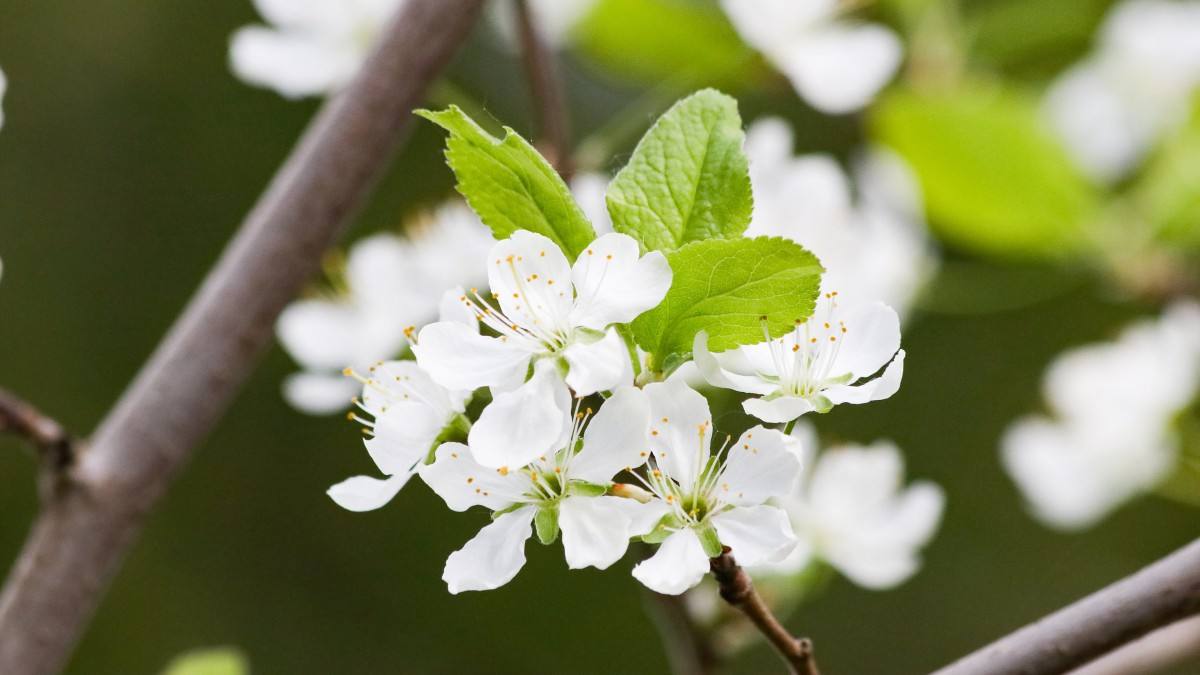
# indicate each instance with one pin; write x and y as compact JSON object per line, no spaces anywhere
{"x":876,"y":249}
{"x":390,"y":284}
{"x":1114,"y":106}
{"x":553,"y":316}
{"x":711,"y":498}
{"x":836,"y":65}
{"x":313,"y":47}
{"x":565,"y":486}
{"x":852,"y":511}
{"x":815,"y":366}
{"x":1112,"y":437}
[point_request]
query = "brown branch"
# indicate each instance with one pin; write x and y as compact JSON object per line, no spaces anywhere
{"x":548,"y":94}
{"x":1165,"y":648}
{"x":79,"y":538}
{"x":738,"y":590}
{"x":55,"y":447}
{"x":1160,"y":594}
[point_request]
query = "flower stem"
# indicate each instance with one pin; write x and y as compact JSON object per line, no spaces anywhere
{"x":738,"y":590}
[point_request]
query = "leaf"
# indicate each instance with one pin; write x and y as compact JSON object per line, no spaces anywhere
{"x":726,"y":287}
{"x":510,"y":185}
{"x":995,"y":181}
{"x":215,"y":661}
{"x":688,"y":179}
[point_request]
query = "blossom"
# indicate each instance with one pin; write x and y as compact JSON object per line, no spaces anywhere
{"x":389,"y":284}
{"x":836,"y":65}
{"x":312,"y":48}
{"x":875,"y":249}
{"x":708,"y":499}
{"x":552,"y":317}
{"x":1111,"y":436}
{"x":817,"y":365}
{"x":852,"y":511}
{"x":406,"y":414}
{"x":563,"y":490}
{"x":1111,"y":108}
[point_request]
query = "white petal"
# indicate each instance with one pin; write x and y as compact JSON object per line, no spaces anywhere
{"x":777,"y":410}
{"x":678,"y":565}
{"x":615,"y":438}
{"x":318,"y":393}
{"x":877,"y":389}
{"x":321,"y":335}
{"x":769,"y":143}
{"x":852,"y":482}
{"x":403,"y":436}
{"x":293,"y":64}
{"x":462,"y":482}
{"x":1096,"y":121}
{"x":876,"y":570}
{"x":363,"y":493}
{"x":677,"y":414}
{"x":756,"y":534}
{"x":761,"y":465}
{"x":452,"y":308}
{"x":457,"y":357}
{"x":602,"y":365}
{"x":871,"y":337}
{"x":531,"y":279}
{"x":380,"y":271}
{"x":493,"y":557}
{"x":769,"y":24}
{"x":614,"y":283}
{"x":840,"y":68}
{"x":394,"y":382}
{"x":596,"y":530}
{"x":589,"y":190}
{"x":710,"y":368}
{"x":520,"y":425}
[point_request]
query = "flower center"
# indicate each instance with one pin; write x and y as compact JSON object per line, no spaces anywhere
{"x":805,"y":357}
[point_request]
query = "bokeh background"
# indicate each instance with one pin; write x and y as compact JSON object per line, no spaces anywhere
{"x":129,"y":155}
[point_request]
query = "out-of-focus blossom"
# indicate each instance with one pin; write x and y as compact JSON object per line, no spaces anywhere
{"x":1111,"y":436}
{"x":835,"y":64}
{"x":389,"y":284}
{"x":1111,"y":108}
{"x":819,"y":364}
{"x":312,"y":47}
{"x":873,"y":248}
{"x":554,"y":19}
{"x":852,"y":511}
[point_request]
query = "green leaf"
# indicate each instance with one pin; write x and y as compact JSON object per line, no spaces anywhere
{"x":546,"y":523}
{"x":216,"y":661}
{"x":688,"y":179}
{"x":510,"y":185}
{"x":709,"y":541}
{"x":995,"y":181}
{"x":726,"y":287}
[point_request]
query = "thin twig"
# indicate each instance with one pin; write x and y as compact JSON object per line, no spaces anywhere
{"x":1158,"y":595}
{"x":738,"y":590}
{"x":1165,"y":648}
{"x":689,"y":650}
{"x":56,"y":449}
{"x":80,"y":537}
{"x":547,"y":89}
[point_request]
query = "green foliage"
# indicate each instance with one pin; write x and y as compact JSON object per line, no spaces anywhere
{"x":510,"y":185}
{"x":216,"y":661}
{"x":1033,"y":36}
{"x":1168,"y":191}
{"x":709,"y":541}
{"x":726,"y":287}
{"x":995,"y":181}
{"x":688,"y":179}
{"x":546,"y":523}
{"x":663,"y":40}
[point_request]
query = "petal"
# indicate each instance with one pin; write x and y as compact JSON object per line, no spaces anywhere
{"x":394,"y":382}
{"x":777,"y":410}
{"x":589,"y":190}
{"x":602,"y":365}
{"x":596,"y":530}
{"x":363,"y":493}
{"x":870,"y":338}
{"x":840,"y":68}
{"x":615,"y":438}
{"x":321,"y":335}
{"x":712,"y":371}
{"x":531,"y":280}
{"x":520,"y":425}
{"x":457,"y":357}
{"x":319,"y":394}
{"x":1096,"y":121}
{"x":757,"y":534}
{"x":874,"y":390}
{"x":850,"y":481}
{"x":876,"y":570}
{"x":761,"y":465}
{"x":680,"y":430}
{"x":311,"y":14}
{"x":614,"y":283}
{"x":452,"y":308}
{"x":678,"y":565}
{"x":462,"y":482}
{"x":403,"y":436}
{"x":293,"y":64}
{"x":493,"y":557}
{"x":381,"y":274}
{"x":767,"y":24}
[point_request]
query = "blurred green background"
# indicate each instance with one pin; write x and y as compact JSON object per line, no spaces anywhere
{"x":129,"y":155}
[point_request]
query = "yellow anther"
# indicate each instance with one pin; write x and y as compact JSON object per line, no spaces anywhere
{"x":503,"y":471}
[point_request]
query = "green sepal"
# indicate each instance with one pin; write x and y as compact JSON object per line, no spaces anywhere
{"x":709,"y":541}
{"x":582,"y":488}
{"x":454,"y":431}
{"x":665,"y":528}
{"x":508,"y":509}
{"x":546,"y":523}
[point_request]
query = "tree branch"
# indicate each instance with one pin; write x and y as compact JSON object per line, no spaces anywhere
{"x":79,"y":538}
{"x":1160,"y":594}
{"x":546,"y":87}
{"x":55,"y":447}
{"x":1174,"y":645}
{"x":738,"y":590}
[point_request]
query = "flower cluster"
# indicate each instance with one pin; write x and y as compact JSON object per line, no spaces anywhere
{"x":1111,"y":436}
